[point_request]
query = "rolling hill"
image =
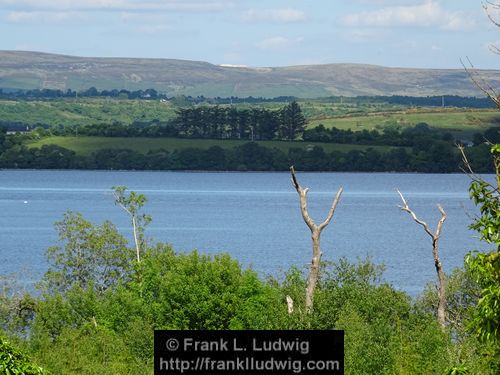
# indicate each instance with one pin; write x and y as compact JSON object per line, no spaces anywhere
{"x":35,"y":70}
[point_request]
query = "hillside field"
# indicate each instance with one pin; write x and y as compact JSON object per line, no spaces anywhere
{"x":86,"y":145}
{"x":457,"y":121}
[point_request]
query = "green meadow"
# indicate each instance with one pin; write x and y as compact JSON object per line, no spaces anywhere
{"x":83,"y":145}
{"x":454,"y":120}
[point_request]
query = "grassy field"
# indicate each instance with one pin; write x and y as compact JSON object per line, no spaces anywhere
{"x":87,"y":145}
{"x":456,"y":121}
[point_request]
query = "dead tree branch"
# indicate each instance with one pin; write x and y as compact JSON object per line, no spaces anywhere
{"x":312,"y":279}
{"x":486,"y":6}
{"x":474,"y":177}
{"x":480,"y":82}
{"x":441,"y":309}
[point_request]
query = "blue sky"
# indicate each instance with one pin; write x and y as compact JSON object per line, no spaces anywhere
{"x":398,"y":33}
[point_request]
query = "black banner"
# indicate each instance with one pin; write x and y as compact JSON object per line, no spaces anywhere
{"x":249,"y":352}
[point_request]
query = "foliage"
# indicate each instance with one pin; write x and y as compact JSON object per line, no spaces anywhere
{"x":487,"y":197}
{"x":484,"y":268}
{"x":14,"y":362}
{"x":193,"y":291}
{"x":90,"y":350}
{"x":93,"y":255}
{"x":228,"y":122}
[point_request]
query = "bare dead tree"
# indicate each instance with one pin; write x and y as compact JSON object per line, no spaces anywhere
{"x":312,"y":278}
{"x":441,"y":309}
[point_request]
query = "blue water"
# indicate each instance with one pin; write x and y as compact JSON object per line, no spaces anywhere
{"x":253,"y":216}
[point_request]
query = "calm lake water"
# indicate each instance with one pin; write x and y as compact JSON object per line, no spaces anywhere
{"x":253,"y":216}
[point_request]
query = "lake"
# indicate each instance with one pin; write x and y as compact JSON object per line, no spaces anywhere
{"x":253,"y":216}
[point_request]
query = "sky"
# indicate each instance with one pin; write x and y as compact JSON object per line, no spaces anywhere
{"x":259,"y":33}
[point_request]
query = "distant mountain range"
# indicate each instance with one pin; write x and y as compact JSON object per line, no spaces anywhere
{"x":35,"y":70}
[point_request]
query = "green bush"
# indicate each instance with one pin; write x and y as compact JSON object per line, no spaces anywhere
{"x":14,"y":362}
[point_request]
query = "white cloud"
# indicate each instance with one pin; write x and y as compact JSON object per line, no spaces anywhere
{"x":384,"y":2}
{"x":362,"y":35}
{"x":278,"y":42}
{"x":429,"y":13}
{"x":145,"y":18}
{"x":21,"y":17}
{"x":61,"y":4}
{"x":45,"y":17}
{"x":458,"y":21}
{"x":275,"y":15}
{"x":153,"y":29}
{"x":273,"y":42}
{"x":117,"y":5}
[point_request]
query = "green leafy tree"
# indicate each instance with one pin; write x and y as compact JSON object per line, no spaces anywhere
{"x":484,"y":267}
{"x":94,"y":255}
{"x":293,"y":121}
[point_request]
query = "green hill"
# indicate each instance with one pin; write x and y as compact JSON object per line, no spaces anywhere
{"x":34,"y":70}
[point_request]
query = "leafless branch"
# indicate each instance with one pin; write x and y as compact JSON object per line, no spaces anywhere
{"x":472,"y":175}
{"x":332,"y":209}
{"x":441,"y":309}
{"x":315,"y":236}
{"x":405,"y":207}
{"x":480,"y":83}
{"x":486,"y":5}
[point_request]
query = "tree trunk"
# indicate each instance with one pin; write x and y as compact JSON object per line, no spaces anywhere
{"x":136,"y":239}
{"x":312,"y":279}
{"x":441,"y":308}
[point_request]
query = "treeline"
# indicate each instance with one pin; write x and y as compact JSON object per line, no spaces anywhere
{"x":228,"y":122}
{"x":417,"y":101}
{"x":92,"y":92}
{"x":440,"y":157}
{"x":420,"y":134}
{"x":440,"y":101}
{"x":153,"y":129}
{"x":151,"y":93}
{"x":17,"y":126}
